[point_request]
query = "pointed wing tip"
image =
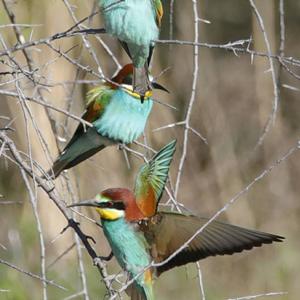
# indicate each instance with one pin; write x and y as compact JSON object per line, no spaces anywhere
{"x":278,"y":238}
{"x":269,"y":239}
{"x":173,"y":143}
{"x":169,"y":147}
{"x":165,"y":153}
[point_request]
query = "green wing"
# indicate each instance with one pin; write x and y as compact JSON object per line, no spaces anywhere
{"x":167,"y":232}
{"x":151,"y":180}
{"x":158,"y":7}
{"x":85,"y":142}
{"x":97,"y":99}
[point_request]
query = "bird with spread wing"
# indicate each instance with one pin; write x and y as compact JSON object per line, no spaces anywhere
{"x":139,"y":233}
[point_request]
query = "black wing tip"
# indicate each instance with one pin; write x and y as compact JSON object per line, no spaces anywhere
{"x":270,"y":239}
{"x":278,"y":238}
{"x":195,"y":255}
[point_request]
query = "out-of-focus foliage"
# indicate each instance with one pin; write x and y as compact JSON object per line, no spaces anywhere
{"x":233,"y":101}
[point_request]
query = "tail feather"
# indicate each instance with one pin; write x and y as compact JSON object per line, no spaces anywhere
{"x":63,"y":164}
{"x":57,"y":168}
{"x":140,"y":293}
{"x":142,"y":289}
{"x":78,"y":150}
{"x":141,"y":82}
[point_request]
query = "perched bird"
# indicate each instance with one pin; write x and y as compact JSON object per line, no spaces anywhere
{"x":117,"y":115}
{"x":136,"y":23}
{"x":139,"y":234}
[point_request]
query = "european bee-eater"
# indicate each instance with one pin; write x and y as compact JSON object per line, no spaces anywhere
{"x":137,"y":240}
{"x":117,"y":115}
{"x":136,"y":24}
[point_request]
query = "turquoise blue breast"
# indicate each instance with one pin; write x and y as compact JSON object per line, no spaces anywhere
{"x":128,"y":246}
{"x":124,"y":118}
{"x":132,"y":21}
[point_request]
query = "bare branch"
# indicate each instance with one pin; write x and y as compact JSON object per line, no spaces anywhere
{"x":50,"y":282}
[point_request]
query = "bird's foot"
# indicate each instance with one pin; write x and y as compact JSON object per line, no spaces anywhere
{"x":121,"y":146}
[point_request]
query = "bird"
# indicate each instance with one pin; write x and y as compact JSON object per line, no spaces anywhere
{"x":117,"y":116}
{"x":136,"y":24}
{"x":138,"y":236}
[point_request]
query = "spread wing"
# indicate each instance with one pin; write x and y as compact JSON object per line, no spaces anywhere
{"x":167,"y":232}
{"x":151,"y":180}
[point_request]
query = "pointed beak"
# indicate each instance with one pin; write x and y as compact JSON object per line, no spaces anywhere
{"x":157,"y":86}
{"x":92,"y":203}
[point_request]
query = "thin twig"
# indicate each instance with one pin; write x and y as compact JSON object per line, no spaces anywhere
{"x":272,"y":294}
{"x":50,"y":282}
{"x":272,"y":117}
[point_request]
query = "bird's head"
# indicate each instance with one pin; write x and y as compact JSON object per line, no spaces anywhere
{"x":113,"y":204}
{"x":124,"y":78}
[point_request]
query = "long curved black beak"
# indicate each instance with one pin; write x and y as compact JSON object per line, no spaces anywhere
{"x":92,"y":203}
{"x":158,"y":86}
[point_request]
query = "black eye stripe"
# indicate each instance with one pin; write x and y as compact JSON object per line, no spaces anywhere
{"x":128,"y":80}
{"x":118,"y":205}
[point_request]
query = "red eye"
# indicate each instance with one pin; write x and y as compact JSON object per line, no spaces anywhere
{"x":110,"y":204}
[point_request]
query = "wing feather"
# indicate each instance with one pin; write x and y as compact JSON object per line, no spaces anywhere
{"x":151,"y":180}
{"x":97,"y":99}
{"x":158,"y":7}
{"x":167,"y":232}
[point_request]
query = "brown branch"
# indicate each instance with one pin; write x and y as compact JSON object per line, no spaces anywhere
{"x":50,"y":190}
{"x":50,"y":282}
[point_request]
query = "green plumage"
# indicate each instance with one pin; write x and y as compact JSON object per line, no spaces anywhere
{"x":117,"y":117}
{"x":133,"y":22}
{"x":136,"y":24}
{"x":151,"y":178}
{"x":137,"y":239}
{"x":131,"y":251}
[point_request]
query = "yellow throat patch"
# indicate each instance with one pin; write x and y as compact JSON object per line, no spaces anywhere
{"x":136,"y":95}
{"x":110,"y":214}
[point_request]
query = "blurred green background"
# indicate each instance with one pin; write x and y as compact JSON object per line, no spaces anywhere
{"x":233,"y":101}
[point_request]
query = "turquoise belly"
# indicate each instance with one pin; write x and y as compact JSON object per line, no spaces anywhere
{"x":129,"y":247}
{"x":131,"y":21}
{"x":124,"y":119}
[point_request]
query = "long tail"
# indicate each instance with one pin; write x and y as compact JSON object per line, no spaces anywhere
{"x":142,"y":289}
{"x":62,"y":164}
{"x":138,"y":293}
{"x":141,"y":82}
{"x":79,"y":150}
